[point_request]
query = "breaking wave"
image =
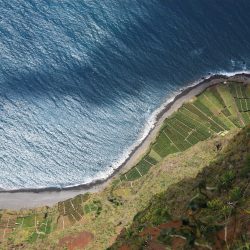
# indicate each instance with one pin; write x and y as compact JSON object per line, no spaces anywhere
{"x":82,"y":82}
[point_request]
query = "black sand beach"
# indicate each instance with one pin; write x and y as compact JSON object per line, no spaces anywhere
{"x":28,"y":198}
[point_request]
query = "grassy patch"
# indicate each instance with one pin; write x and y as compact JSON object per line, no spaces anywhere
{"x":218,"y":109}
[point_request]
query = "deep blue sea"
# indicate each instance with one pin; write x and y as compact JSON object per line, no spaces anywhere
{"x":81,"y":79}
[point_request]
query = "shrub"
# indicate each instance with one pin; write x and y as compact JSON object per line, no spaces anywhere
{"x":226,"y":179}
{"x":235,"y":194}
{"x":160,"y":215}
{"x":117,"y":201}
{"x":245,"y":172}
{"x":215,"y":204}
{"x":197,"y":203}
{"x":129,"y":233}
{"x":165,"y":236}
{"x":227,"y":210}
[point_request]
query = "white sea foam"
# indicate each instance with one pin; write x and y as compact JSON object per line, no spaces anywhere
{"x":76,"y":90}
{"x":150,"y":124}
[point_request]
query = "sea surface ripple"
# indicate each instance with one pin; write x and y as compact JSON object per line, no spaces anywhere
{"x":80,"y":79}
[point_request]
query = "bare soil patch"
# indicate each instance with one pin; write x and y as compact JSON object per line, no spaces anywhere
{"x":77,"y":241}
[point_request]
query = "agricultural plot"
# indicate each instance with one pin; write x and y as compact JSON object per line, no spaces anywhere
{"x":217,"y":108}
{"x":215,"y":111}
{"x":7,"y":226}
{"x":73,"y":208}
{"x":241,"y":96}
{"x":26,"y":227}
{"x":163,"y":146}
{"x":94,"y":206}
{"x":231,"y":105}
{"x":42,"y":226}
{"x":141,"y":168}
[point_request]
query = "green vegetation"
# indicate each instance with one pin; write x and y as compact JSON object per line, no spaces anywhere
{"x":95,"y":206}
{"x":73,"y":208}
{"x":215,"y":111}
{"x":213,"y":213}
{"x":201,"y":133}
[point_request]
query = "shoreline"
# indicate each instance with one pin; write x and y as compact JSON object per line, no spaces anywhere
{"x":49,"y":196}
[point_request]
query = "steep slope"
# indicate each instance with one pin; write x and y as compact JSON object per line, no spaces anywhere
{"x":217,"y":110}
{"x":210,"y":211}
{"x":200,"y":130}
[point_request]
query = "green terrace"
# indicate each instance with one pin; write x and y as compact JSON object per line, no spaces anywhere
{"x":28,"y":227}
{"x":217,"y":110}
{"x":207,"y":211}
{"x":31,"y":226}
{"x":73,"y":208}
{"x":214,"y":112}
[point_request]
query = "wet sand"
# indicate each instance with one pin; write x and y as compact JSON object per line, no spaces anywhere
{"x":17,"y":199}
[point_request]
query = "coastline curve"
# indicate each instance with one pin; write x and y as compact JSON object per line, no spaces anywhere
{"x":50,"y":195}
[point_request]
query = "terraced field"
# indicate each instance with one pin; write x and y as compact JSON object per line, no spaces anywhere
{"x":31,"y":225}
{"x":26,"y":226}
{"x":215,"y":111}
{"x":73,"y":210}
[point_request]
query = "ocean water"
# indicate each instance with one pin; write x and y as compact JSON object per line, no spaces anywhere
{"x":80,"y":80}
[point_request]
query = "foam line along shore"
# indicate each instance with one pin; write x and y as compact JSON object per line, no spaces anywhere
{"x":49,"y":196}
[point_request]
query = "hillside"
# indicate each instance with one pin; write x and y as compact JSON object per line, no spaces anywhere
{"x":210,"y":211}
{"x":189,"y":140}
{"x":216,"y":111}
